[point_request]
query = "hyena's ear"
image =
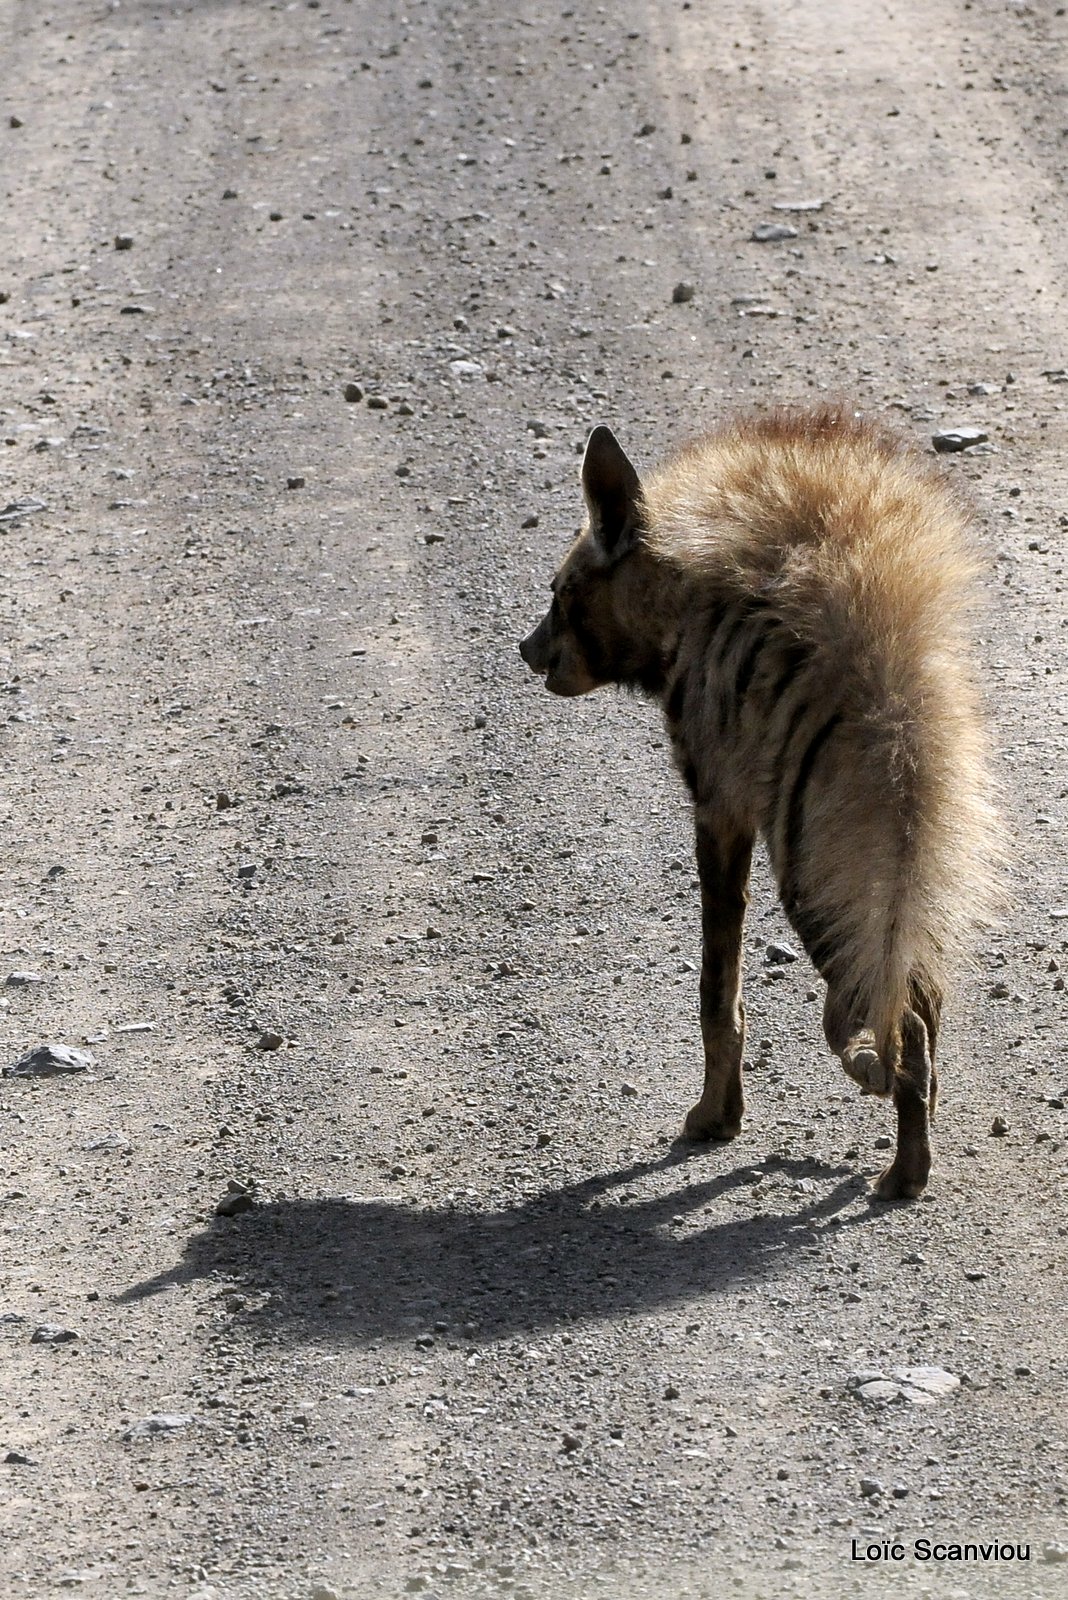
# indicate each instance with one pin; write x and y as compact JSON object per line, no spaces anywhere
{"x":612,"y":491}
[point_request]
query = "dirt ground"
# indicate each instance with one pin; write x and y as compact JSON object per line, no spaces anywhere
{"x":274,"y":775}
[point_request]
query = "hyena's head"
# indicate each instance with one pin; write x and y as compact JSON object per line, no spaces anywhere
{"x":595,"y":631}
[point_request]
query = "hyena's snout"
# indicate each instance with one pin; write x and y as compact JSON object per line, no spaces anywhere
{"x":535,"y":648}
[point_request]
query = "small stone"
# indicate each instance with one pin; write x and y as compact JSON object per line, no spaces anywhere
{"x":681,"y":293}
{"x":402,"y":471}
{"x":229,"y":194}
{"x":998,"y":1128}
{"x":295,"y":483}
{"x":480,"y":720}
{"x":883,"y":1142}
{"x":124,"y":241}
{"x":900,"y":1491}
{"x":778,"y":954}
{"x":877,"y":1390}
{"x":232,"y":1205}
{"x":1055,"y":1552}
{"x":670,"y":1392}
{"x":628,"y":1090}
{"x":543,"y":1139}
{"x":974,"y":1274}
{"x":930,"y":1383}
{"x":353,"y":392}
{"x":160,"y":1424}
{"x":1022,"y":1370}
{"x":223,"y":801}
{"x":772,"y":232}
{"x":377,"y":402}
{"x":270,"y":1041}
{"x":49,"y":1061}
{"x":531,"y":521}
{"x":645,"y":130}
{"x":323,"y":1591}
{"x":21,"y":979}
{"x":14,"y":122}
{"x":870,"y":1488}
{"x":248,"y":870}
{"x":569,"y":1443}
{"x":52,"y":1333}
{"x":433,"y":538}
{"x":465,"y":369}
{"x":428,"y":837}
{"x":952,"y":440}
{"x":538,"y":429}
{"x":798,"y":206}
{"x":15,"y":1458}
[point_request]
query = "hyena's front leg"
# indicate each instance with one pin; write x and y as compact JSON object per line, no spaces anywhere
{"x":723,"y":856}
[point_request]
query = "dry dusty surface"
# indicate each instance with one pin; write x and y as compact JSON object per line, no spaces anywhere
{"x":272,"y":766}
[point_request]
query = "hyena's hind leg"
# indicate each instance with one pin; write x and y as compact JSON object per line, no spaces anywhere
{"x":906,"y":1176}
{"x":723,"y":857}
{"x":853,"y":1042}
{"x":926,"y":1000}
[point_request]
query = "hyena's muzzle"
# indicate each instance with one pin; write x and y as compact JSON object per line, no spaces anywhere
{"x":535,"y":648}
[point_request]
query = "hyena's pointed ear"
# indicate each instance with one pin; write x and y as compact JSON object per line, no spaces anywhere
{"x":613,"y":491}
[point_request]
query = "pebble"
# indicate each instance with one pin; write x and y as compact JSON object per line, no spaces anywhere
{"x":49,"y":1061}
{"x":1055,"y":1552}
{"x":16,"y":979}
{"x":772,"y":232}
{"x":538,"y":429}
{"x":883,"y":1142}
{"x":628,"y":1090}
{"x":465,"y":369}
{"x":954,"y":439}
{"x":999,"y":1128}
{"x":29,"y":504}
{"x":270,"y":1040}
{"x":15,"y":1458}
{"x":681,"y":293}
{"x":159,"y":1424}
{"x":52,"y":1333}
{"x":798,"y":205}
{"x":322,"y":1591}
{"x":353,"y":392}
{"x":920,"y":1386}
{"x":870,"y":1487}
{"x":377,"y":402}
{"x":295,"y":483}
{"x":777,"y":954}
{"x":124,"y":241}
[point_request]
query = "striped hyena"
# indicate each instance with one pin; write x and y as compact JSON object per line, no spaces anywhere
{"x":793,"y":589}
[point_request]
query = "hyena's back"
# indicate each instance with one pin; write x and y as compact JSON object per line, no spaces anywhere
{"x":821,"y":690}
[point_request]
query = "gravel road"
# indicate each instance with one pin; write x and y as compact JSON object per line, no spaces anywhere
{"x":306,"y":312}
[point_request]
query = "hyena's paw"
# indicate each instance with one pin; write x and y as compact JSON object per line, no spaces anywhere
{"x":905,"y":1178}
{"x":702,"y":1127}
{"x":863,"y":1063}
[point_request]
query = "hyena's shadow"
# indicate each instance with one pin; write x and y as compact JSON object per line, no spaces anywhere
{"x":356,"y":1269}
